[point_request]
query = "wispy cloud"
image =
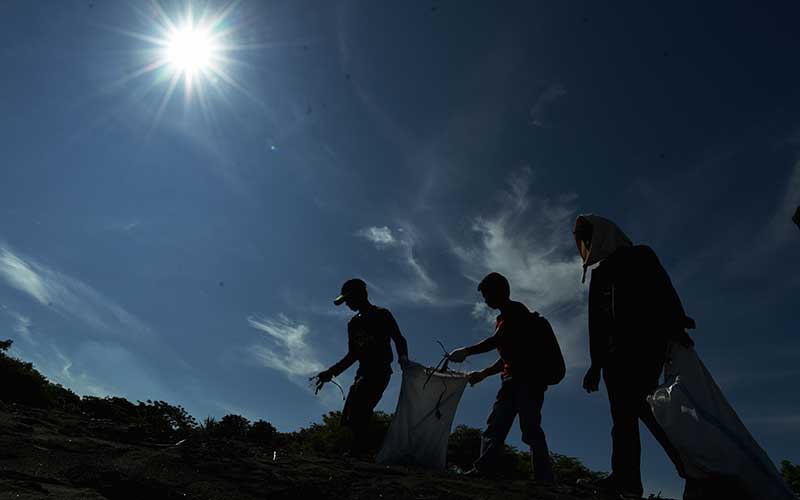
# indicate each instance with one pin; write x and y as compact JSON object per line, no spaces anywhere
{"x":67,"y":295}
{"x":421,"y":288}
{"x":22,"y":324}
{"x":528,"y":240}
{"x":380,"y":236}
{"x":286,"y":346}
{"x":551,"y":93}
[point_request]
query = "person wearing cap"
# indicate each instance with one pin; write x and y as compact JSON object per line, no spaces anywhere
{"x":369,"y":336}
{"x":633,"y":312}
{"x":523,"y":386}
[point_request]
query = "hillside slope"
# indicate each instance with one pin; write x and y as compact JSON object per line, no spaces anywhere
{"x":49,"y":454}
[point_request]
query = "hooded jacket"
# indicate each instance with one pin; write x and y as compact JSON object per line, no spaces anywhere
{"x":633,"y":307}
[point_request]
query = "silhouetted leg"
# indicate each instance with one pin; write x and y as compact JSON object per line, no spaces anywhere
{"x":626,"y":448}
{"x":364,"y":395}
{"x":529,"y":402}
{"x":497,"y":426}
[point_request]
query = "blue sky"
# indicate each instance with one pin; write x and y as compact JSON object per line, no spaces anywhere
{"x":188,"y":248}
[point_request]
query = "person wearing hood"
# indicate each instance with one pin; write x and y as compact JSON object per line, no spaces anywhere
{"x":633,"y":312}
{"x":369,"y":336}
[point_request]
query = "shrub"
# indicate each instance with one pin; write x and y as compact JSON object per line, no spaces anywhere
{"x":153,"y":419}
{"x":791,"y":474}
{"x":23,"y":384}
{"x":262,"y":432}
{"x":464,"y":448}
{"x":162,"y":420}
{"x":233,"y":426}
{"x":329,"y":438}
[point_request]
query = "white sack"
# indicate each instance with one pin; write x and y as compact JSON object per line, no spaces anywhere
{"x":710,"y":437}
{"x":420,"y":428}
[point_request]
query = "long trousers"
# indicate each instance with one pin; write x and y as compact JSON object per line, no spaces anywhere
{"x":362,"y":398}
{"x":627,"y":396}
{"x":517,"y":397}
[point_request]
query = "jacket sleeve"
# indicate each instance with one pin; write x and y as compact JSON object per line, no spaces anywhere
{"x":668,"y":307}
{"x":600,"y":321}
{"x":394,"y":333}
{"x":346,"y":362}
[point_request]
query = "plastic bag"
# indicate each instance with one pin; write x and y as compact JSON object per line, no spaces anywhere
{"x":711,"y":439}
{"x":420,"y":428}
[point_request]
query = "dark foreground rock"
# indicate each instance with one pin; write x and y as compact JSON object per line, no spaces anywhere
{"x":62,"y":456}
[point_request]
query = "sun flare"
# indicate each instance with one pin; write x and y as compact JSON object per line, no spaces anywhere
{"x":191,"y":49}
{"x":195,"y":51}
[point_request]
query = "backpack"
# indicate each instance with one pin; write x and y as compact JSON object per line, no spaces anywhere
{"x":548,"y":358}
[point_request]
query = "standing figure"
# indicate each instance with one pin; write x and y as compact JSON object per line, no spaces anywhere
{"x":368,"y":341}
{"x":633,"y":312}
{"x":518,"y":337}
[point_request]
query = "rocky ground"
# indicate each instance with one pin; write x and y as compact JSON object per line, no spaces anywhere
{"x":55,"y":455}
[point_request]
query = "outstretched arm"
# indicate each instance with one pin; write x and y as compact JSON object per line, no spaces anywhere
{"x":477,"y":377}
{"x":343,"y":364}
{"x":485,"y":345}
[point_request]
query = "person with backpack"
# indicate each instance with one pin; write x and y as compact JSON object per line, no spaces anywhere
{"x":369,"y":336}
{"x":634,"y":311}
{"x":530,"y":360}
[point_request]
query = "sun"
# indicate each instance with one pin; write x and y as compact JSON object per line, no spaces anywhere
{"x":195,"y":50}
{"x":191,"y":50}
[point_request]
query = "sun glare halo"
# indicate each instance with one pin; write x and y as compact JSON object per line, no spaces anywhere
{"x":190,"y":49}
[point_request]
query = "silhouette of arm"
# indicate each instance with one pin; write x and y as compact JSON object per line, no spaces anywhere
{"x":485,"y":345}
{"x":599,"y":322}
{"x":494,"y":369}
{"x":394,"y":333}
{"x":347,"y":361}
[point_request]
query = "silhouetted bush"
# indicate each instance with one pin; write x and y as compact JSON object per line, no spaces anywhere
{"x":232,"y":426}
{"x":151,"y":419}
{"x":329,"y":438}
{"x":791,"y":474}
{"x":262,"y":432}
{"x":23,"y":384}
{"x":162,"y":420}
{"x":464,"y":448}
{"x":570,"y":469}
{"x":110,"y":408}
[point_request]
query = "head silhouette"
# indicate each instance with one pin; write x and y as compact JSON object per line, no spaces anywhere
{"x":495,"y":290}
{"x":354,"y":294}
{"x":583,"y":236}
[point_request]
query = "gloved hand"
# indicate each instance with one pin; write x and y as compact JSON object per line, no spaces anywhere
{"x":591,"y":382}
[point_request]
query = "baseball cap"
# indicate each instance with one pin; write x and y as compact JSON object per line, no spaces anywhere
{"x":350,"y":286}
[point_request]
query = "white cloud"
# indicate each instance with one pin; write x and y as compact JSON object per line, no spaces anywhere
{"x":381,"y":236}
{"x":287,"y":349}
{"x":21,"y":275}
{"x":528,"y":239}
{"x":67,"y":295}
{"x":421,"y":288}
{"x":22,"y":324}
